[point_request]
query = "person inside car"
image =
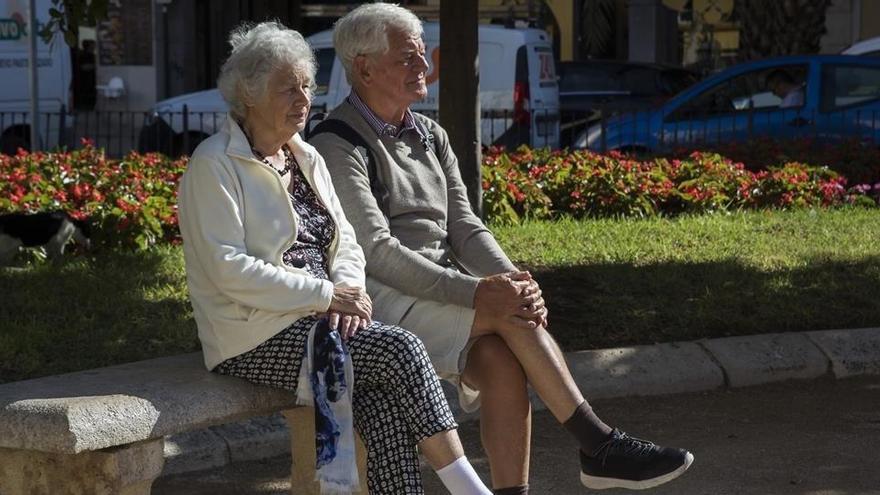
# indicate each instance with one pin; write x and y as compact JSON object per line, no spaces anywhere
{"x":781,"y":84}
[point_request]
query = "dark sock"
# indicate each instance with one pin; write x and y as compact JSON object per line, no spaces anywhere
{"x":512,"y":490}
{"x":587,"y":428}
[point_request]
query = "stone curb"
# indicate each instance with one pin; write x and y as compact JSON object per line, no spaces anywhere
{"x":606,"y":373}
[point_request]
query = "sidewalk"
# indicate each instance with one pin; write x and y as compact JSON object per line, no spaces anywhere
{"x":800,"y":437}
{"x":641,"y":371}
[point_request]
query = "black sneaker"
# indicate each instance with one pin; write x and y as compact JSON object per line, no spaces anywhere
{"x":627,"y":462}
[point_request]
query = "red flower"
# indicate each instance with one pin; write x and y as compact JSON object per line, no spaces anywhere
{"x":77,"y":192}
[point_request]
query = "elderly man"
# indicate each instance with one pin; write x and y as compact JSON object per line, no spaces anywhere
{"x":436,"y":270}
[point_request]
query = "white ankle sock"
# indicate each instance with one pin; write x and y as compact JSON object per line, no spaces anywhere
{"x":460,"y":478}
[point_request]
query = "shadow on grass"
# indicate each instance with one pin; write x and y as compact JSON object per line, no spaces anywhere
{"x":609,"y":305}
{"x":90,"y":312}
{"x":116,"y":307}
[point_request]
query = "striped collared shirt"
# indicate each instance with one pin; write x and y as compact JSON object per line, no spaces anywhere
{"x":381,"y":127}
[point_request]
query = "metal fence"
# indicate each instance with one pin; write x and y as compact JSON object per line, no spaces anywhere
{"x":179,"y":132}
{"x":115,"y":131}
{"x":605,"y":128}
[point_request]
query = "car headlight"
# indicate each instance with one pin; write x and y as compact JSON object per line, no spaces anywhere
{"x":594,"y":134}
{"x":152,"y":118}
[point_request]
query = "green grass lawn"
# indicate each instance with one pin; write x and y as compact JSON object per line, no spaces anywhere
{"x":607,"y":283}
{"x":611,"y":283}
{"x":106,"y":309}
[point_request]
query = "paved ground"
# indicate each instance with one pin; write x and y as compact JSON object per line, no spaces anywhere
{"x":817,"y":437}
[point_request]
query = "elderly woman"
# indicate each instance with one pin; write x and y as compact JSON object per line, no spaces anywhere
{"x":269,"y":253}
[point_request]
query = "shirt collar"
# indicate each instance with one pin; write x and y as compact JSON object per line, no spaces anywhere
{"x":381,"y":127}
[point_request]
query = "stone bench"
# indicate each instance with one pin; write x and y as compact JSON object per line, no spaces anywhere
{"x":102,"y":431}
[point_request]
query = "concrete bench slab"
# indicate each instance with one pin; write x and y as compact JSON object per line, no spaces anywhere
{"x":119,"y":405}
{"x":102,"y":431}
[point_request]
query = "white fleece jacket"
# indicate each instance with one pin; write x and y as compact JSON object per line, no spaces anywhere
{"x":236,"y":220}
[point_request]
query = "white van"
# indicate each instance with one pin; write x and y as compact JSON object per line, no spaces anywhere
{"x":53,"y":77}
{"x":519,"y":94}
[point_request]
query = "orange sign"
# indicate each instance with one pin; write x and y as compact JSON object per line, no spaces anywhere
{"x":432,"y":77}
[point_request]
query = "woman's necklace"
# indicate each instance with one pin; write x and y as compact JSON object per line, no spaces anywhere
{"x":289,"y":160}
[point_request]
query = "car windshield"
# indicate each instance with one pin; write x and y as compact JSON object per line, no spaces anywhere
{"x":654,"y":84}
{"x":676,"y":81}
{"x":324,"y":57}
{"x":588,"y":78}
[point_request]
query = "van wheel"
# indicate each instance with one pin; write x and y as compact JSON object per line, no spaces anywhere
{"x":195,"y":137}
{"x":14,"y":138}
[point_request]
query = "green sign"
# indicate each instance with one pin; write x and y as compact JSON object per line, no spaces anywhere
{"x":10,"y":30}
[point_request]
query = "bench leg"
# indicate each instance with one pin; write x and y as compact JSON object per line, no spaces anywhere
{"x":126,"y":470}
{"x":301,"y":422}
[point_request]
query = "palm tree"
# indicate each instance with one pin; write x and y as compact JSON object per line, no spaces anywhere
{"x":780,"y":27}
{"x":597,"y":28}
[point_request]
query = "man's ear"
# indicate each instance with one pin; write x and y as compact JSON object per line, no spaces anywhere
{"x":363,"y":69}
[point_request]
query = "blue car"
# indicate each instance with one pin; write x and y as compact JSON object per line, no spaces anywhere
{"x":826,"y":97}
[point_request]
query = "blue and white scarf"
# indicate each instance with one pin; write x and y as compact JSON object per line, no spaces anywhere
{"x":326,"y":382}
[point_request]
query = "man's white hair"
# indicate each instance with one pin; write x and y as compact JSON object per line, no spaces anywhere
{"x":364,"y":31}
{"x":257,"y":51}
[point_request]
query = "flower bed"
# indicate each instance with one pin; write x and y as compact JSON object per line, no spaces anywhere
{"x":857,"y":160}
{"x":131,"y":202}
{"x":543,"y":184}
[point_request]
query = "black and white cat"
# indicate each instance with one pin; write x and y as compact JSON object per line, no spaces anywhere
{"x":52,"y":230}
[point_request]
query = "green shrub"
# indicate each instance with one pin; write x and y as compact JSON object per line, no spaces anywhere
{"x":541,"y":184}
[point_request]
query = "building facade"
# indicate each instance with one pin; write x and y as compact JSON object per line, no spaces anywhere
{"x":163,"y":48}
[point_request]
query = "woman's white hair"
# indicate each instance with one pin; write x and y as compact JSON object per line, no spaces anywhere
{"x":364,"y":31}
{"x":258,"y":50}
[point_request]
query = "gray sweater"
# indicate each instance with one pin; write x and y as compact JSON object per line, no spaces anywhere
{"x":431,"y":246}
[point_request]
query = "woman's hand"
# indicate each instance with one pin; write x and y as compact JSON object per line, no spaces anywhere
{"x":350,"y":310}
{"x":347,"y":325}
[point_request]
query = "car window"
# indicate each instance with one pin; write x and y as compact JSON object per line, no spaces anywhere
{"x":324,"y":57}
{"x":846,"y":85}
{"x":775,"y":87}
{"x":639,"y":80}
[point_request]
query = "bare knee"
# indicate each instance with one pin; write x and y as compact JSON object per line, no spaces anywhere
{"x":491,"y":364}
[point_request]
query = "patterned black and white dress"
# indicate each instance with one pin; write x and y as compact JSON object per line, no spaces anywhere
{"x":397,"y":398}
